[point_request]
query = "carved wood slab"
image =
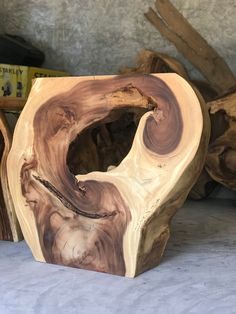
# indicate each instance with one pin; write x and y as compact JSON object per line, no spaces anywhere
{"x":115,"y":221}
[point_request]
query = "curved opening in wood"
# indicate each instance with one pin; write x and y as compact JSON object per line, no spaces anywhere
{"x":103,"y":146}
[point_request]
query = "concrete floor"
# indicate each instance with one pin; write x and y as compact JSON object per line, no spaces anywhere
{"x":197,"y":274}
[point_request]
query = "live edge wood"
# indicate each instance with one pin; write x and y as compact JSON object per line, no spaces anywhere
{"x":9,"y":226}
{"x":115,"y":221}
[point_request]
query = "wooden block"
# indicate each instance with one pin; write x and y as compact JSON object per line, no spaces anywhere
{"x":115,"y":221}
{"x":9,"y":226}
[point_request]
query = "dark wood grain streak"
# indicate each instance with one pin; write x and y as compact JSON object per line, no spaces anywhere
{"x":68,"y":204}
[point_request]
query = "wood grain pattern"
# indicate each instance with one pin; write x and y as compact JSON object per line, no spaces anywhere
{"x":115,"y":221}
{"x":149,"y":61}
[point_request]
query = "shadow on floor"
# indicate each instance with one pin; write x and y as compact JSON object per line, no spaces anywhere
{"x":201,"y":226}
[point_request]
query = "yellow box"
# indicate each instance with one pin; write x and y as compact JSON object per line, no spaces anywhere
{"x":16,"y":82}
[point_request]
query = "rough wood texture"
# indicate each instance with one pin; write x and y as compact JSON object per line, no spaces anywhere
{"x":171,"y":24}
{"x":204,"y":186}
{"x":149,"y":61}
{"x":115,"y":221}
{"x":9,"y":226}
{"x":221,"y":158}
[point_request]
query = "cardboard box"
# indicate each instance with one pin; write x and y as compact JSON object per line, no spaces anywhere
{"x":16,"y":82}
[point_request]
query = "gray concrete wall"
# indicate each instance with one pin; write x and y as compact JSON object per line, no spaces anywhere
{"x":100,"y":36}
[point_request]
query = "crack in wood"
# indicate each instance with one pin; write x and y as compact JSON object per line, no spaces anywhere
{"x":51,"y":188}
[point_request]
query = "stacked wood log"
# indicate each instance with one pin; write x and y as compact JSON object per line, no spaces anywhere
{"x":115,"y":221}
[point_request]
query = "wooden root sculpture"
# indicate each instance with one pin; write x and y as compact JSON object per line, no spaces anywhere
{"x":115,"y":221}
{"x":148,"y":61}
{"x":221,"y":157}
